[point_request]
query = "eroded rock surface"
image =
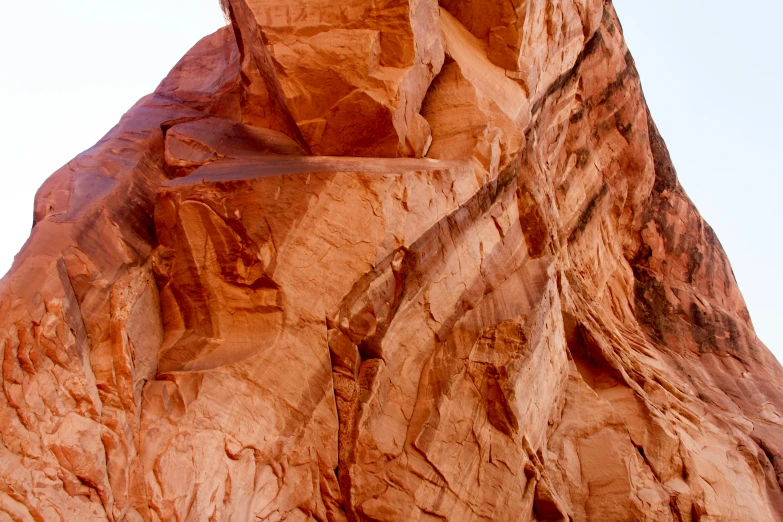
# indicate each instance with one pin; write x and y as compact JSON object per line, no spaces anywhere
{"x":385,"y":261}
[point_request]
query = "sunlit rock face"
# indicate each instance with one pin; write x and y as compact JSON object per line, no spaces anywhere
{"x":384,"y":261}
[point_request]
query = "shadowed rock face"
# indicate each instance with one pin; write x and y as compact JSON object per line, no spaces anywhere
{"x":384,"y":261}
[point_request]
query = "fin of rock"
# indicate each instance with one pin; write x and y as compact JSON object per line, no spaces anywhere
{"x":384,"y":261}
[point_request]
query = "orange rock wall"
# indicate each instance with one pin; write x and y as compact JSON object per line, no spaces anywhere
{"x":384,"y":262}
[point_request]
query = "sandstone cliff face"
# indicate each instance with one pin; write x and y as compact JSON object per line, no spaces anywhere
{"x":384,"y":261}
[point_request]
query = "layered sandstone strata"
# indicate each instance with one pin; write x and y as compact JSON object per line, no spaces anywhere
{"x":384,"y":261}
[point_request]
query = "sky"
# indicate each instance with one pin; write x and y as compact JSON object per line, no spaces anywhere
{"x":710,"y":69}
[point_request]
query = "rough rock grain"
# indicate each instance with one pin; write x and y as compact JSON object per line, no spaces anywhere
{"x":386,"y":261}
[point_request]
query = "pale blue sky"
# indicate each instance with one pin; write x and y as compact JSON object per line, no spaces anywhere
{"x":711,"y":71}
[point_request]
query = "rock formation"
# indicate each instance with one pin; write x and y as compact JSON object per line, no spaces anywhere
{"x":384,"y":261}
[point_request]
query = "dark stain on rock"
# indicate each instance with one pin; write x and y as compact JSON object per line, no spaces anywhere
{"x":588,"y":213}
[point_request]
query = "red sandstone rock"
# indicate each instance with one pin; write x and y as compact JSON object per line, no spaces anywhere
{"x":530,"y":323}
{"x":352,"y":74}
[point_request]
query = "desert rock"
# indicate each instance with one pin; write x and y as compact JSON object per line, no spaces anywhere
{"x":351,"y":74}
{"x":384,"y":261}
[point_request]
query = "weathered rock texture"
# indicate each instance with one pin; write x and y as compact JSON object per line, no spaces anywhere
{"x":384,"y":261}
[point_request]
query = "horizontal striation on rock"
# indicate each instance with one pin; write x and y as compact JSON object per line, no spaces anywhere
{"x":388,"y":261}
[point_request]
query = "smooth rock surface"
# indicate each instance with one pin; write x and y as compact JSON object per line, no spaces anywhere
{"x":386,"y":261}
